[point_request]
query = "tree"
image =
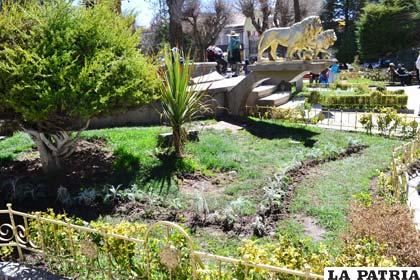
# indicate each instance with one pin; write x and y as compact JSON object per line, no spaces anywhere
{"x":285,"y":12}
{"x":348,"y":46}
{"x":349,"y":12}
{"x":175,"y":10}
{"x":282,"y":16}
{"x":61,"y":65}
{"x":329,"y":14}
{"x":384,"y":29}
{"x":181,"y":103}
{"x":205,"y":25}
{"x":296,"y":9}
{"x":248,"y":8}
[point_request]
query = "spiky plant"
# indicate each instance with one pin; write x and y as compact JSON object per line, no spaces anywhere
{"x":181,"y":101}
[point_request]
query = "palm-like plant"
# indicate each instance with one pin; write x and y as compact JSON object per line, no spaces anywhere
{"x":181,"y":102}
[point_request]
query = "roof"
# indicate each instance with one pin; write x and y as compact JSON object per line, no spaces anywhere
{"x":236,"y":20}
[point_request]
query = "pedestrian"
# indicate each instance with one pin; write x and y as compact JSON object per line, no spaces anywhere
{"x":234,"y":52}
{"x":210,"y":52}
{"x":323,"y":76}
{"x":392,"y":72}
{"x":418,"y":69}
{"x":333,"y":74}
{"x":220,"y":59}
{"x":404,"y":75}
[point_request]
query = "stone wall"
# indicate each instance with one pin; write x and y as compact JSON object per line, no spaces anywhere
{"x":150,"y":114}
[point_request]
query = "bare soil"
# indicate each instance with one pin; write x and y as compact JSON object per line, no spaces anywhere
{"x":89,"y":166}
{"x":242,"y":226}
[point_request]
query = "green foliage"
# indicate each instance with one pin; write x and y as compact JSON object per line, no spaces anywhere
{"x":325,"y":196}
{"x":314,"y":97}
{"x":347,"y":50}
{"x":301,"y":254}
{"x":387,"y":28}
{"x":377,"y":75}
{"x":367,"y":121}
{"x":388,"y":121}
{"x":5,"y":252}
{"x":95,"y":256}
{"x":181,"y":103}
{"x":364,"y":197}
{"x":384,"y":187}
{"x":11,"y":147}
{"x":365,"y":252}
{"x":372,"y":100}
{"x":60,"y":63}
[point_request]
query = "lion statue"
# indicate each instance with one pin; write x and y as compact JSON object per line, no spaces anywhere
{"x":295,"y":38}
{"x":323,"y":41}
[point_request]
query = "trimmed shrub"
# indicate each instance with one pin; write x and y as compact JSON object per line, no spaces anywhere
{"x":365,"y":101}
{"x":314,"y":97}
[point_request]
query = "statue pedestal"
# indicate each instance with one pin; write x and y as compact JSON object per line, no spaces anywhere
{"x":276,"y":72}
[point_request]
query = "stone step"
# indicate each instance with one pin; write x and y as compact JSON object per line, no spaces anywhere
{"x":264,"y":90}
{"x":276,"y":99}
{"x":260,"y":92}
{"x":293,"y":104}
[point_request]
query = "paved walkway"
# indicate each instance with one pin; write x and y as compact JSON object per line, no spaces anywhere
{"x":413,"y":93}
{"x":413,"y":200}
{"x":16,"y":271}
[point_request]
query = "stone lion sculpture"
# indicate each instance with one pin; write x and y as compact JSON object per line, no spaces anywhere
{"x":323,"y":41}
{"x":296,"y":37}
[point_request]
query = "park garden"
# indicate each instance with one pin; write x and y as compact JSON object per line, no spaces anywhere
{"x":272,"y":195}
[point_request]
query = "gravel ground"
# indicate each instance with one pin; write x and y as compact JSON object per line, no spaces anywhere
{"x":16,"y":271}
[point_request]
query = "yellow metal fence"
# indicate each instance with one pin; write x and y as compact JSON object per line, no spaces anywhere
{"x":85,"y":252}
{"x":402,"y":158}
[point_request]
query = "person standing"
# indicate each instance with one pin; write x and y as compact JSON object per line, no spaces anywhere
{"x":418,"y":69}
{"x":234,"y":52}
{"x":392,"y":72}
{"x":334,"y":70}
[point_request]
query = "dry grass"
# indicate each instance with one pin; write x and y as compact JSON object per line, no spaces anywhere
{"x":390,"y":224}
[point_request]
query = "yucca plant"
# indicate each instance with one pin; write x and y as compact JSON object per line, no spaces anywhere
{"x":181,"y":101}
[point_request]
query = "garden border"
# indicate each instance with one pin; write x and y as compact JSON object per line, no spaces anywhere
{"x":17,"y":236}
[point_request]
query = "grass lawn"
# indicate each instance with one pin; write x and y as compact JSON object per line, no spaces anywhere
{"x":237,"y":167}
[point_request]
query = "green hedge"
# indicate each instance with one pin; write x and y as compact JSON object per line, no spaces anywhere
{"x":376,"y":99}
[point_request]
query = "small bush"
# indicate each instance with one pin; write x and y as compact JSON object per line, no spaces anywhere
{"x":388,"y":121}
{"x":302,"y":253}
{"x":387,"y":224}
{"x":367,"y":121}
{"x":314,"y":97}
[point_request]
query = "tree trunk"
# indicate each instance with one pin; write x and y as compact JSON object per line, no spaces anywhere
{"x":54,"y":147}
{"x":296,"y":8}
{"x":178,"y":142}
{"x":175,"y":22}
{"x":49,"y":161}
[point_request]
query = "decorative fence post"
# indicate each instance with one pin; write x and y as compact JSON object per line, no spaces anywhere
{"x":355,"y":122}
{"x":14,"y":230}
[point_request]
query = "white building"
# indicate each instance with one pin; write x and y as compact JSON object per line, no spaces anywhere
{"x":247,"y":33}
